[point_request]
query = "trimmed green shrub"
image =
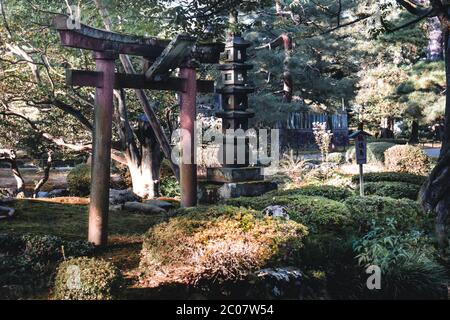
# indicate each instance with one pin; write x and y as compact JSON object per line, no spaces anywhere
{"x":87,"y":279}
{"x":79,"y":180}
{"x":218,"y":244}
{"x":319,"y":214}
{"x":326,"y":191}
{"x":391,"y":176}
{"x":394,"y":141}
{"x":396,"y":190}
{"x":375,"y":151}
{"x":406,"y":158}
{"x":336,"y":157}
{"x":367,"y":210}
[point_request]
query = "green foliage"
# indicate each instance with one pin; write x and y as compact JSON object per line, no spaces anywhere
{"x":170,"y":187}
{"x":326,"y":191}
{"x":87,"y":279}
{"x":408,"y":159}
{"x":217,"y":243}
{"x":28,"y":261}
{"x":375,"y":151}
{"x":336,"y":157}
{"x":406,"y":259}
{"x":396,"y":190}
{"x":319,"y":214}
{"x":367,"y":210}
{"x":391,"y":176}
{"x":79,"y":180}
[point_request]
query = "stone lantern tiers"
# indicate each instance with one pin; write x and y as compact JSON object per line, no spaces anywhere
{"x":235,"y":178}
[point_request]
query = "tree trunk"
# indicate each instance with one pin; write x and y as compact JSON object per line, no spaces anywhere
{"x":435,"y":195}
{"x":11,"y":157}
{"x":44,"y":179}
{"x":143,"y":159}
{"x":435,"y":42}
{"x":414,"y":138}
{"x":288,"y":81}
{"x":144,"y":100}
{"x":145,"y":173}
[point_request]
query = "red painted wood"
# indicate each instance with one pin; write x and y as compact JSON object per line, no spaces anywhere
{"x":101,"y":155}
{"x":133,"y":81}
{"x":188,"y":115}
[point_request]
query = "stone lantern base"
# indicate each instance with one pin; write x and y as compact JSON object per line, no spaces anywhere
{"x":224,"y":183}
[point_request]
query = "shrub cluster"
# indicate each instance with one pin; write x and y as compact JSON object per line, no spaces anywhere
{"x":79,"y":180}
{"x":396,"y":190}
{"x":217,"y":243}
{"x":317,"y":213}
{"x":326,"y":191}
{"x":406,"y":158}
{"x":406,"y":261}
{"x":87,"y":279}
{"x":367,"y":210}
{"x":375,"y":152}
{"x":391,"y":176}
{"x":28,"y":261}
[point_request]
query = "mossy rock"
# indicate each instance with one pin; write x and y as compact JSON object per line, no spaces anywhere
{"x":218,"y":244}
{"x":87,"y":279}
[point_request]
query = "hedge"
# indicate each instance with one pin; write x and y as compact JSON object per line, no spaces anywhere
{"x":391,"y":176}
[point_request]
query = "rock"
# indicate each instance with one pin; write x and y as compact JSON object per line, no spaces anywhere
{"x":276,"y":283}
{"x":116,"y":207}
{"x":276,"y":212}
{"x":143,"y":207}
{"x":58,"y":193}
{"x":9,"y":212}
{"x":160,"y":203}
{"x":121,"y":196}
{"x":43,"y":194}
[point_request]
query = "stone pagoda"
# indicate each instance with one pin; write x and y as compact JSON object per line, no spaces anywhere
{"x":236,"y":177}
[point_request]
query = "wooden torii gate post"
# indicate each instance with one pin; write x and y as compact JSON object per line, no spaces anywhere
{"x":162,"y":57}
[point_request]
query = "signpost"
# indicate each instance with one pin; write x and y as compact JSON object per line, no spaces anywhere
{"x":361,"y":155}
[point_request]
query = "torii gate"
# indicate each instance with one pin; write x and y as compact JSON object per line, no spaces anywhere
{"x":161,"y":56}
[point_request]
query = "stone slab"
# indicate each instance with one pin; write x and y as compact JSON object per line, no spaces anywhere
{"x":234,"y":174}
{"x":213,"y":193}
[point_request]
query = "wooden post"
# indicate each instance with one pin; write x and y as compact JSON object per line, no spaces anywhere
{"x":188,"y":115}
{"x":101,"y":152}
{"x":361,"y":180}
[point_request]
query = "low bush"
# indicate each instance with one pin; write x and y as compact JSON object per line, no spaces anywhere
{"x":29,"y":261}
{"x":336,"y":157}
{"x":406,"y":158}
{"x":391,"y":176}
{"x":406,"y":260}
{"x":330,"y":192}
{"x":317,"y":213}
{"x":396,"y":190}
{"x":87,"y":279}
{"x":217,"y":243}
{"x":169,"y":187}
{"x":79,"y":180}
{"x":367,"y":210}
{"x":375,"y":152}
